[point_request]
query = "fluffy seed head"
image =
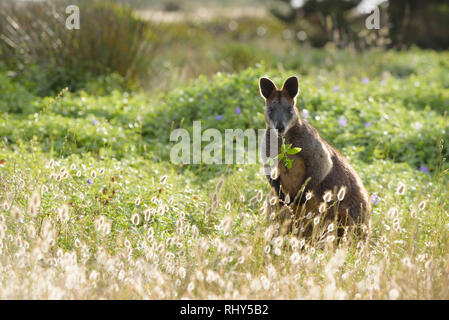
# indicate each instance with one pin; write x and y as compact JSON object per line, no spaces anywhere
{"x":401,"y":188}
{"x":341,"y":193}
{"x":422,"y":205}
{"x":44,"y":188}
{"x":219,"y":185}
{"x":327,"y":197}
{"x":36,"y":199}
{"x":147,"y":214}
{"x":64,"y":213}
{"x":259,"y":195}
{"x":268,"y":234}
{"x":215,"y":198}
{"x":253,"y":200}
{"x":106,"y":228}
{"x":393,"y":294}
{"x":322,"y":207}
{"x":135,"y":219}
{"x":267,"y":249}
{"x":226,"y":224}
{"x":15,"y":212}
{"x":393,"y":212}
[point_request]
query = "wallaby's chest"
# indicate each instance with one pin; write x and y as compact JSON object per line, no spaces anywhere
{"x":291,"y":179}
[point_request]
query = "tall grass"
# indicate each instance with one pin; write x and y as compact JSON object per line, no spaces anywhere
{"x":61,"y":238}
{"x":91,"y":207}
{"x":111,"y":39}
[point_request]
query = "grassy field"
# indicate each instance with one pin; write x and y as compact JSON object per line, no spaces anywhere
{"x":91,"y":206}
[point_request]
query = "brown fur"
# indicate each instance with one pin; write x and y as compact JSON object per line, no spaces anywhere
{"x":325,"y":167}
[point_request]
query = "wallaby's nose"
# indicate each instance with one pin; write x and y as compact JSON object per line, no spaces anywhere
{"x":280,"y":128}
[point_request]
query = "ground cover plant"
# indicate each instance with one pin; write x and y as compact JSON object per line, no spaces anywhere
{"x":92,"y":207}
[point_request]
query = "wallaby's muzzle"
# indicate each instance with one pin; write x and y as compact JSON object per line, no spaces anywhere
{"x":280,"y":128}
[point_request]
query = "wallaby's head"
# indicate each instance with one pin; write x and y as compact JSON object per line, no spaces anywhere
{"x":280,"y":111}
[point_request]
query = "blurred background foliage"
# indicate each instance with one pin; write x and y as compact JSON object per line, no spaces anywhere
{"x":136,"y":70}
{"x":161,"y":44}
{"x":36,"y":44}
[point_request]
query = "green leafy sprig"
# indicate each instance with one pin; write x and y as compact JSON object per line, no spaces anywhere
{"x":286,"y":149}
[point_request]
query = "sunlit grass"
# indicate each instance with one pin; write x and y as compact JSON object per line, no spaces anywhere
{"x":87,"y":228}
{"x":91,"y":207}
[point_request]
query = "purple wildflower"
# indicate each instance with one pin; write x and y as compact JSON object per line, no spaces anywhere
{"x":375,"y":199}
{"x":219,"y":117}
{"x":382,"y":83}
{"x":94,"y":122}
{"x":336,"y":88}
{"x":90,"y":181}
{"x":365,"y":80}
{"x":342,"y":121}
{"x":305,"y":113}
{"x":368,"y":124}
{"x":424,"y":169}
{"x":237,"y":111}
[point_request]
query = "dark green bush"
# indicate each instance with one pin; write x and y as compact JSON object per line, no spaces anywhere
{"x":397,"y":118}
{"x":14,"y":97}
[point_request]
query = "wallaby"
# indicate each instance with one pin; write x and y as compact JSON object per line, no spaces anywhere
{"x":317,"y":170}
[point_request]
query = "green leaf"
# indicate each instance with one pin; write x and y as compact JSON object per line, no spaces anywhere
{"x":294,"y":151}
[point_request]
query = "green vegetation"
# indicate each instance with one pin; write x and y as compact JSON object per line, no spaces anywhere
{"x":83,"y":164}
{"x":286,"y":149}
{"x":92,"y":207}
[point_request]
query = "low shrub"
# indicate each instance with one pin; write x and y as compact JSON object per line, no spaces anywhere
{"x":35,"y":43}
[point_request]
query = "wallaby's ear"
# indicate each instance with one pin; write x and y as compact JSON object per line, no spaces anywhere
{"x":266,"y":87}
{"x":291,"y":86}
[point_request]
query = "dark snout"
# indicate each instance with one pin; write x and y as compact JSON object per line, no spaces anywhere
{"x":280,"y":127}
